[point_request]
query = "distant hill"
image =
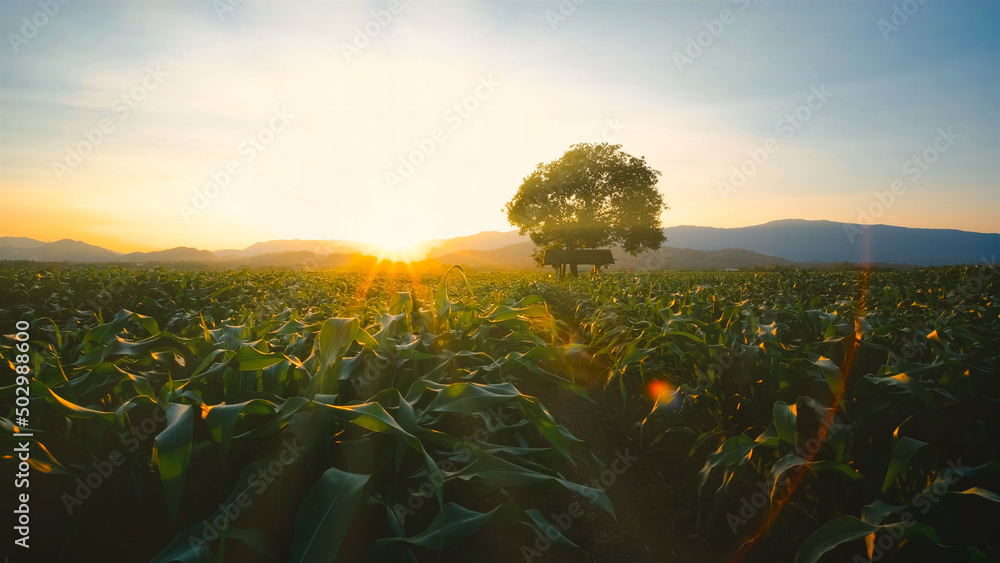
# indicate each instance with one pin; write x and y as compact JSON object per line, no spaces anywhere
{"x":510,"y":257}
{"x":294,"y":245}
{"x":486,"y":240}
{"x":179,"y":254}
{"x":828,"y":241}
{"x":58,"y":251}
{"x":787,"y":242}
{"x":20,"y":242}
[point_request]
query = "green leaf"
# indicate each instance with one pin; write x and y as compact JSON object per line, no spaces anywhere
{"x":251,"y":358}
{"x":785,"y":422}
{"x":140,"y":383}
{"x":454,"y":523}
{"x":699,"y":343}
{"x":209,"y":358}
{"x":148,"y":323}
{"x":546,"y":528}
{"x":503,"y":473}
{"x":779,"y":468}
{"x":221,"y":419}
{"x":902,"y":451}
{"x":731,"y":453}
{"x":373,"y":417}
{"x":162,"y":342}
{"x":293,"y":327}
{"x":334,"y":338}
{"x":173,"y":452}
{"x":907,"y":383}
{"x":830,"y":535}
{"x":64,"y":407}
{"x":400,"y":302}
{"x":832,"y":374}
{"x":838,"y":467}
{"x":103,"y":333}
{"x":282,"y":415}
{"x":546,"y":426}
{"x":327,"y":513}
{"x":472,"y":397}
{"x":979,"y":491}
{"x":43,"y":461}
{"x":442,"y":304}
{"x":877,"y":511}
{"x":527,"y":360}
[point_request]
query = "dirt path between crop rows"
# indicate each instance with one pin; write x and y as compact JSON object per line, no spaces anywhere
{"x":652,"y":525}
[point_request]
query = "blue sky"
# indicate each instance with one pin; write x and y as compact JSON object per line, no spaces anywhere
{"x":427,"y":127}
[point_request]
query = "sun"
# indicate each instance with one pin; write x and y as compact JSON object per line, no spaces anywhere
{"x":399,"y":251}
{"x":396,"y":246}
{"x":395,"y":236}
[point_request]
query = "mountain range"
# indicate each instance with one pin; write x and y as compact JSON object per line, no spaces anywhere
{"x":778,"y":243}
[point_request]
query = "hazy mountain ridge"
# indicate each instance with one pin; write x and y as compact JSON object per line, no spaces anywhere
{"x":179,"y":254}
{"x":64,"y":250}
{"x":486,"y":240}
{"x":786,"y":242}
{"x":20,"y":242}
{"x":294,"y":245}
{"x":829,"y":241}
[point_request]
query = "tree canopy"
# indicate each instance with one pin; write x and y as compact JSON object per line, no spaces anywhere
{"x":594,"y":195}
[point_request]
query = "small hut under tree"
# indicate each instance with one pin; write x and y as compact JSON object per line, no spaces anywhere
{"x":559,"y":259}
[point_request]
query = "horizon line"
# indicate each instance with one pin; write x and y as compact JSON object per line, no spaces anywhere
{"x":424,"y":242}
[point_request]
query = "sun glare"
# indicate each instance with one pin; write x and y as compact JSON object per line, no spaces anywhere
{"x":396,"y":238}
{"x":397,"y":247}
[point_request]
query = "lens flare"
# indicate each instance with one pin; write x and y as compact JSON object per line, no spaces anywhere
{"x":658,"y":388}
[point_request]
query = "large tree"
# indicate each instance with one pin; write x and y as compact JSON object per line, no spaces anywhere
{"x":593,"y":196}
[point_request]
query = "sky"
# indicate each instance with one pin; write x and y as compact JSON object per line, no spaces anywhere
{"x":220,"y":123}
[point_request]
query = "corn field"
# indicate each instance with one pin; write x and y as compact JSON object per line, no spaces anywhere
{"x":298,"y":416}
